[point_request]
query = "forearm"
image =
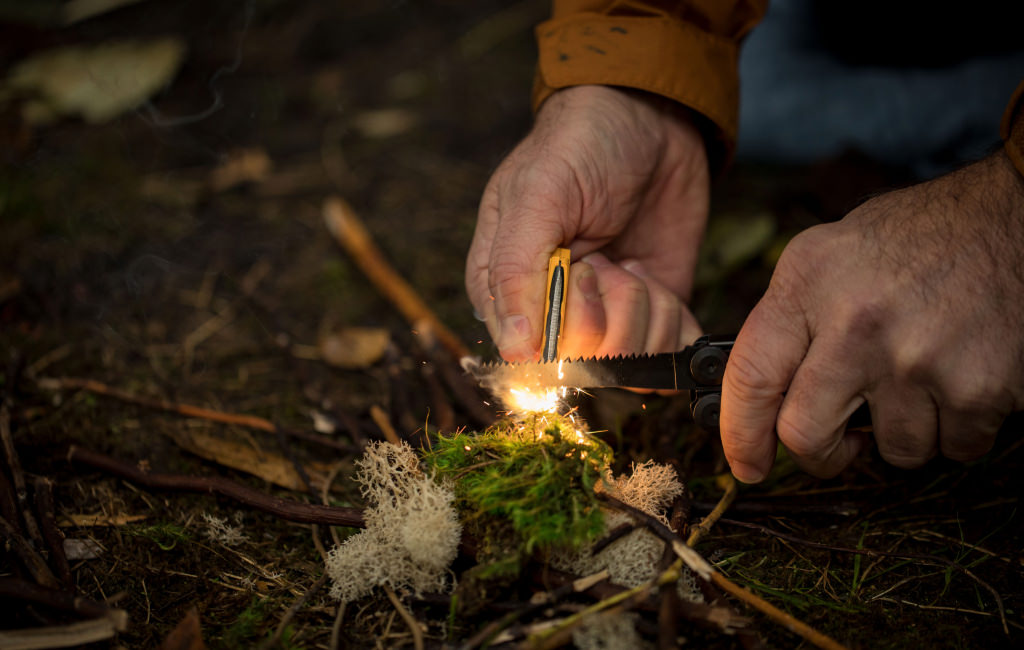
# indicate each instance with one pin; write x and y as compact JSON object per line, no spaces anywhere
{"x":685,"y":51}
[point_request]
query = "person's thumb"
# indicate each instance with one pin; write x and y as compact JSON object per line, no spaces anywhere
{"x":517,"y":277}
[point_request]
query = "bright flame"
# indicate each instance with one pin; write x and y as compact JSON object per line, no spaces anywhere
{"x":561,"y":375}
{"x":524,"y":399}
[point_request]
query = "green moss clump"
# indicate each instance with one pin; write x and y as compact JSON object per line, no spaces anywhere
{"x":532,"y":478}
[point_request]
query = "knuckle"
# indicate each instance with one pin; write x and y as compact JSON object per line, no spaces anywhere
{"x":746,"y":375}
{"x":900,"y":447}
{"x":809,"y":250}
{"x":507,"y":278}
{"x":864,"y":319}
{"x":801,"y":436}
{"x":978,"y":395}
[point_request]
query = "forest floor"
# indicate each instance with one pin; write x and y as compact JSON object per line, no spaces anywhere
{"x":177,"y":252}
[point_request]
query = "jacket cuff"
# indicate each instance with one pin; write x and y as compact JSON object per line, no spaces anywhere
{"x":1011,"y":130}
{"x":661,"y":55}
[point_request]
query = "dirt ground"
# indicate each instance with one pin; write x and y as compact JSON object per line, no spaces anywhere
{"x":177,"y":251}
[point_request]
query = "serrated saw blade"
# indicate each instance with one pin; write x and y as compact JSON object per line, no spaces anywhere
{"x":666,"y":371}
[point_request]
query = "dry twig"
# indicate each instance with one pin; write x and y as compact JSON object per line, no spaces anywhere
{"x":707,"y":522}
{"x":702,"y":568}
{"x":410,"y":621}
{"x":43,"y":490}
{"x":349,"y":231}
{"x":93,"y":386}
{"x":306,"y":513}
{"x":34,"y":563}
{"x":66,"y":636}
{"x":383,"y":422}
{"x":18,"y":476}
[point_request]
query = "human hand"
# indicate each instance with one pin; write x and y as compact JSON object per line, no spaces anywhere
{"x":912,"y":302}
{"x":620,"y":178}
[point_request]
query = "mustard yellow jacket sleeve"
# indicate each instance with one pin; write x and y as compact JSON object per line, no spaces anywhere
{"x":686,"y":50}
{"x":1012,"y":129}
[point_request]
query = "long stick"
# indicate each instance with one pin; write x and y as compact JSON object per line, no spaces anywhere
{"x":189,"y":410}
{"x":700,"y":566}
{"x":349,"y":231}
{"x":307,"y":513}
{"x":93,"y":386}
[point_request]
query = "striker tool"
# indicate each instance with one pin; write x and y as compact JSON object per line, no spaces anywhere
{"x":554,"y":307}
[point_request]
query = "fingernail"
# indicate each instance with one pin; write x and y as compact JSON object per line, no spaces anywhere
{"x":636,"y":268}
{"x":586,"y":282}
{"x":746,"y":473}
{"x":514,"y":336}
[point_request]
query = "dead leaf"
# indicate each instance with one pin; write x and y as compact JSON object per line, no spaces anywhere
{"x":384,"y":122}
{"x":97,"y":83}
{"x":355,"y":347}
{"x":85,"y":521}
{"x":241,"y":166}
{"x":323,"y":423}
{"x":82,"y":549}
{"x":268,"y":466}
{"x":78,"y":10}
{"x":187,"y":634}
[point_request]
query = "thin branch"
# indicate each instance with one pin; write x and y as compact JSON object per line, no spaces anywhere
{"x":60,"y":600}
{"x":410,"y":621}
{"x":352,"y":235}
{"x":43,"y":489}
{"x":701,"y":529}
{"x":614,"y":535}
{"x":34,"y":563}
{"x":192,"y":411}
{"x":99,"y":388}
{"x":787,"y":621}
{"x":339,"y":618}
{"x":539,"y":602}
{"x":703,"y":569}
{"x":383,"y":422}
{"x":18,"y":476}
{"x":306,"y":513}
{"x":66,"y":636}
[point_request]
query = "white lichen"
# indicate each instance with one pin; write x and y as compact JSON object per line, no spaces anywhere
{"x":219,"y":531}
{"x":610,"y":632}
{"x":412,"y":529}
{"x":650,"y":487}
{"x":635,"y":558}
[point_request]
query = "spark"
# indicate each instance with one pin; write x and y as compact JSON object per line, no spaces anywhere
{"x":466,"y":447}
